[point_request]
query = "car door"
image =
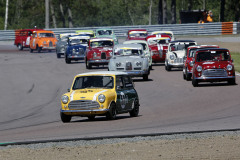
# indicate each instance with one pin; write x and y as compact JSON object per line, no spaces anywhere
{"x":130,"y":92}
{"x":122,"y":98}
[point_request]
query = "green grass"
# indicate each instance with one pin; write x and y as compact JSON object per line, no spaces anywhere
{"x":236,"y":62}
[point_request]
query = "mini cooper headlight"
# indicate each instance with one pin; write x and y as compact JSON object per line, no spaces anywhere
{"x":199,"y":68}
{"x":229,"y":67}
{"x":191,"y":63}
{"x":65,"y":99}
{"x":73,"y":51}
{"x":101,"y":98}
{"x":138,"y":63}
{"x":172,"y":57}
{"x":94,"y":54}
{"x":118,"y":64}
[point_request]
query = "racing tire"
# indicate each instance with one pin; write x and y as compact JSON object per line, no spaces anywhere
{"x":194,"y":82}
{"x":91,"y":118}
{"x":188,"y":76}
{"x":168,"y":68}
{"x":184,"y":76}
{"x":134,"y":112}
{"x":88,"y":65}
{"x":112,"y":113}
{"x":58,"y":56}
{"x":145,"y":77}
{"x":39,"y":49}
{"x":232,"y":81}
{"x":65,"y":118}
{"x":150,"y":67}
{"x":20,"y":47}
{"x":68,"y":61}
{"x":30,"y":50}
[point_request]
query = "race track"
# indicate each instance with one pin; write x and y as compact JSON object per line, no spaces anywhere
{"x":32,"y":84}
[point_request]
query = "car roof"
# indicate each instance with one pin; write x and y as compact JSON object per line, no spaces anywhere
{"x":182,"y":41}
{"x":135,"y":46}
{"x":211,"y":49}
{"x":134,"y":41}
{"x":100,"y":39}
{"x":103,"y":29}
{"x":103,"y":73}
{"x":43,"y":31}
{"x":155,"y":32}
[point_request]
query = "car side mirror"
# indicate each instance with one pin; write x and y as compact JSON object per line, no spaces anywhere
{"x":68,"y":89}
{"x":232,"y":60}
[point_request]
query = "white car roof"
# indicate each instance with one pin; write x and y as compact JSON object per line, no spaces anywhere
{"x":130,"y":46}
{"x":156,"y":32}
{"x":134,"y":41}
{"x":103,"y":73}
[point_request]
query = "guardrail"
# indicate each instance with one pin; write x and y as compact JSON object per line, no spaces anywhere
{"x":216,"y":28}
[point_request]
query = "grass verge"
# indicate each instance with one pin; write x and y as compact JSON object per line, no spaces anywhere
{"x":236,"y":62}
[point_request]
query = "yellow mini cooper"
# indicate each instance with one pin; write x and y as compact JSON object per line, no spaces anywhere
{"x":103,"y":93}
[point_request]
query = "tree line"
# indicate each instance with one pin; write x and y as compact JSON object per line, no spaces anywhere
{"x":88,"y":13}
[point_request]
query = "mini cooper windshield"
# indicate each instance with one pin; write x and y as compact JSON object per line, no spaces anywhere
{"x":138,"y":34}
{"x":93,"y":82}
{"x":104,"y":32}
{"x":78,"y":41}
{"x":213,"y":56}
{"x":127,"y":52}
{"x":104,"y":43}
{"x":180,"y":46}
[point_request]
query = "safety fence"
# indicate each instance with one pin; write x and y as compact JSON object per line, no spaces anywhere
{"x":216,"y":28}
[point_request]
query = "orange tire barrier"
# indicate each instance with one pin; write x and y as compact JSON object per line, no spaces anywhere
{"x":227,"y":27}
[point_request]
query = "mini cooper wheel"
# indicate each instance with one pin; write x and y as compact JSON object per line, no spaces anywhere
{"x":88,"y":65}
{"x":20,"y":47}
{"x":58,"y":55}
{"x":111,"y":114}
{"x":194,"y":82}
{"x":134,"y":112}
{"x":145,"y":77}
{"x":184,"y":76}
{"x":188,"y":75}
{"x":65,"y":118}
{"x":68,"y":61}
{"x":168,"y":68}
{"x":91,"y":118}
{"x":31,"y":50}
{"x":232,"y":81}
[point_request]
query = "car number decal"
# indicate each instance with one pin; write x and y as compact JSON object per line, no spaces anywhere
{"x":123,"y":100}
{"x":71,"y":96}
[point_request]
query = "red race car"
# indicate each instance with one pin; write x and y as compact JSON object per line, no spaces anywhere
{"x":137,"y":34}
{"x":23,"y":37}
{"x":213,"y":65}
{"x":99,"y":52}
{"x":188,"y":59}
{"x":159,"y":46}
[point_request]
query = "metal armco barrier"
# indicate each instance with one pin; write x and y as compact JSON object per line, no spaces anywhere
{"x":216,"y":28}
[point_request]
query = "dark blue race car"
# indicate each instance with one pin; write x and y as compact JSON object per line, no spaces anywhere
{"x":76,"y":49}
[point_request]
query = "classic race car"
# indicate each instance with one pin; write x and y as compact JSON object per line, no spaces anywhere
{"x":169,"y":33}
{"x":213,"y":65}
{"x":176,"y":52}
{"x":188,"y":59}
{"x":99,"y":52}
{"x":76,"y":49}
{"x":62,"y":44}
{"x":43,"y":40}
{"x":129,"y":58}
{"x":100,"y":94}
{"x":86,"y":32}
{"x":23,"y":37}
{"x":146,"y":50}
{"x":137,"y":34}
{"x":106,"y":32}
{"x":159,"y":46}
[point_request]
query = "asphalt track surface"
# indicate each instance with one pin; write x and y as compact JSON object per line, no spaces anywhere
{"x":32,"y":84}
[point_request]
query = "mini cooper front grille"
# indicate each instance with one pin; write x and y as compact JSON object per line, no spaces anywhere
{"x":214,"y":73}
{"x":83,"y":105}
{"x":50,"y":44}
{"x":128,"y":66}
{"x":103,"y":55}
{"x":178,"y":60}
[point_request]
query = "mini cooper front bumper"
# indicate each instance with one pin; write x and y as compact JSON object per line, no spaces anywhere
{"x":98,"y":61}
